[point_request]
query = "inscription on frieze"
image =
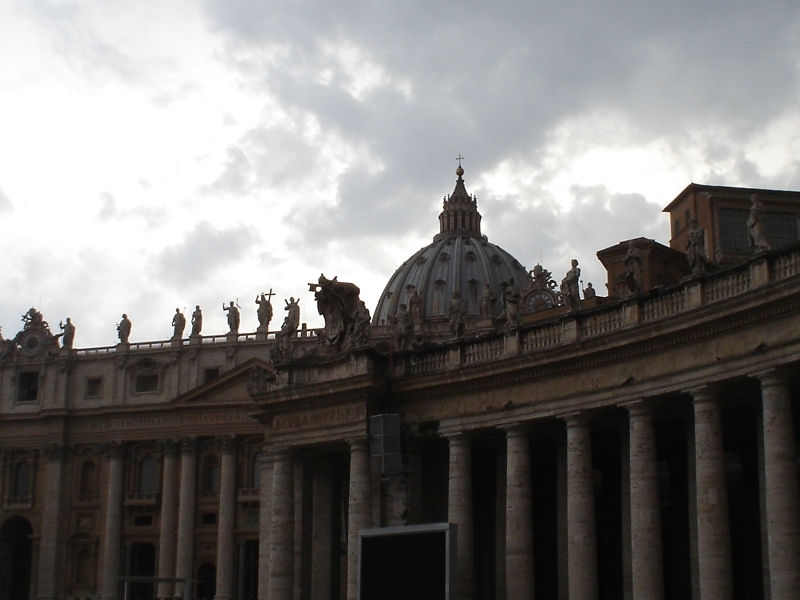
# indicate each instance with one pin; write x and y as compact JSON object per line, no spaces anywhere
{"x":323,"y":417}
{"x":154,"y":422}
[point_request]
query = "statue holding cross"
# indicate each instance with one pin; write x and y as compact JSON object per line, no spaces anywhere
{"x":264,"y":311}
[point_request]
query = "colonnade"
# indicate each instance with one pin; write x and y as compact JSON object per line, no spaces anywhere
{"x":710,"y":534}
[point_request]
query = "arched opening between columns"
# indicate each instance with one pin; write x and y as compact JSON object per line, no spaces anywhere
{"x":15,"y":559}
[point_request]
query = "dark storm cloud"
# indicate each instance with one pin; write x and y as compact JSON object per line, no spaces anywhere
{"x":494,"y":81}
{"x":204,"y":250}
{"x":5,"y":202}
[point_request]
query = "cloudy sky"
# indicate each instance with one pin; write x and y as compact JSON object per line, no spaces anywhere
{"x":162,"y":154}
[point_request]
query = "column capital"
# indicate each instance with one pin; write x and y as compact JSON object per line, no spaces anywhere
{"x":356,"y":444}
{"x":575,"y":419}
{"x":638,"y":408}
{"x":458,"y":438}
{"x":771,"y":378}
{"x":55,"y":452}
{"x":514,"y":430}
{"x":701,"y":394}
{"x":188,"y":445}
{"x":113,"y":450}
{"x":226,"y":443}
{"x":170,"y":446}
{"x":277,"y":453}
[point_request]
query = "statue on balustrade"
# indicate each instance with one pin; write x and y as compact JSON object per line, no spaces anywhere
{"x":233,"y":317}
{"x":197,"y":322}
{"x":68,"y":334}
{"x":178,"y":324}
{"x":360,"y":330}
{"x":281,"y":349}
{"x":403,"y":328}
{"x":124,"y":329}
{"x":634,"y":273}
{"x":755,"y":226}
{"x":511,"y":300}
{"x":696,"y":248}
{"x":337,"y":302}
{"x":457,"y":315}
{"x":570,"y":287}
{"x":589,"y":291}
{"x":415,"y":306}
{"x":488,"y":300}
{"x":264,"y":311}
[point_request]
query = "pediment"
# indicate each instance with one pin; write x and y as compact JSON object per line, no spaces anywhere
{"x":229,"y":387}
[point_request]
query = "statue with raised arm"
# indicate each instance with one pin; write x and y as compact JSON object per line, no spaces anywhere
{"x":197,"y":321}
{"x":281,"y":350}
{"x":178,"y":324}
{"x":233,"y":317}
{"x":570,"y":287}
{"x":755,"y":226}
{"x":124,"y":329}
{"x":264,"y":311}
{"x":68,"y":335}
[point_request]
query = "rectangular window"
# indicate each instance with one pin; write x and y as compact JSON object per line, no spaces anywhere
{"x":146,"y":384}
{"x":142,"y":520}
{"x":209,"y":518}
{"x":780,"y":228}
{"x":733,"y":230}
{"x":209,"y":374}
{"x":28,"y":387}
{"x":94,"y":387}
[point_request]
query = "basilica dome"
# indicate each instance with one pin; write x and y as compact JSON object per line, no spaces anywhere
{"x":459,"y":260}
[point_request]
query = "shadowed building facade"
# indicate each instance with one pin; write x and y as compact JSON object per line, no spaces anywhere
{"x":637,"y":445}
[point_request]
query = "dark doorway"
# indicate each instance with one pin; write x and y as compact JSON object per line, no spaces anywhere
{"x":15,"y":559}
{"x":206,"y":581}
{"x":142,"y":564}
{"x":248,"y":577}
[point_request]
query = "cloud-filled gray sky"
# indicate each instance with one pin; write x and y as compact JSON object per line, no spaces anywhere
{"x":164,"y":154}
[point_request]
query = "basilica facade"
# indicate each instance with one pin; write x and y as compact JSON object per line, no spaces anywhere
{"x":633,"y":442}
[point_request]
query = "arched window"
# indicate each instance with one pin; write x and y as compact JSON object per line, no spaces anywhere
{"x":148,"y":476}
{"x":88,"y":485}
{"x":211,"y":473}
{"x":22,"y":480}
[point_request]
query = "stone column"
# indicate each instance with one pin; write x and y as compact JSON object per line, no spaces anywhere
{"x":460,"y":512}
{"x":711,"y":493}
{"x":113,"y":531}
{"x":188,"y":493}
{"x":581,"y":527}
{"x":782,"y":500}
{"x":264,"y":525}
{"x":281,"y":571}
{"x":227,"y":518}
{"x":645,"y":509}
{"x":359,"y":508}
{"x":169,"y":516}
{"x":519,"y":516}
{"x":51,"y":515}
{"x":322,"y":530}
